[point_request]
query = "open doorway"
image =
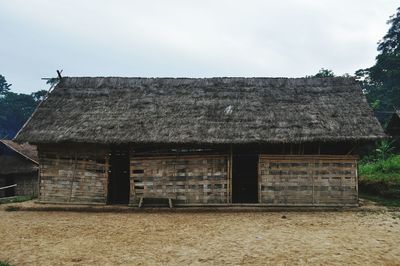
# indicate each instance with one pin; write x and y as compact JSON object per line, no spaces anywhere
{"x":245,"y":178}
{"x":118,"y":178}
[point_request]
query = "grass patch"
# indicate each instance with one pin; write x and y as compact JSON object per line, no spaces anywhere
{"x":15,"y":199}
{"x":381,"y":200}
{"x":381,"y":177}
{"x":4,"y":263}
{"x":387,"y":170}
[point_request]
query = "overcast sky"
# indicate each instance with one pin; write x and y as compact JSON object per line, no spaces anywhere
{"x":290,"y":38}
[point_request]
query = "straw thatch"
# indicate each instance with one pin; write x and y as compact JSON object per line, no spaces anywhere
{"x":207,"y":110}
{"x":17,"y":158}
{"x":393,"y":126}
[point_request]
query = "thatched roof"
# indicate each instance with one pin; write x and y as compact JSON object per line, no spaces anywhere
{"x":205,"y":110}
{"x":24,"y":149}
{"x":17,"y":158}
{"x":393,"y":126}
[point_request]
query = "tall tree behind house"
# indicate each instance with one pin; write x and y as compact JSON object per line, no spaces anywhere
{"x":381,"y":82}
{"x":15,"y":108}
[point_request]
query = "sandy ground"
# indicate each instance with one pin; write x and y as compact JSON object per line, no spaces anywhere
{"x":69,"y":238}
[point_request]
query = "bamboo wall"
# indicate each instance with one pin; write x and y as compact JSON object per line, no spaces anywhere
{"x":308,"y":180}
{"x":188,"y":179}
{"x":27,"y":184}
{"x":80,"y":175}
{"x":73,"y":175}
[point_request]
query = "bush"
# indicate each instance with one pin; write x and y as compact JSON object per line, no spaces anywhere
{"x":383,"y":169}
{"x":4,"y":263}
{"x":381,"y":177}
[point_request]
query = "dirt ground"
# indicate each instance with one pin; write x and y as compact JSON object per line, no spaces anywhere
{"x":210,"y":238}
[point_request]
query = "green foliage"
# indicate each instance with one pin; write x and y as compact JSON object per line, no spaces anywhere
{"x":376,"y":104}
{"x":4,"y":86}
{"x":4,"y":263}
{"x":39,"y":95}
{"x":387,"y":169}
{"x":16,"y":108}
{"x":381,"y":178}
{"x":382,"y":81}
{"x":323,"y":73}
{"x":384,"y":149}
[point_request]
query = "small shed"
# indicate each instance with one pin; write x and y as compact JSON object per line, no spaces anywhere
{"x":202,"y":141}
{"x":18,"y":166}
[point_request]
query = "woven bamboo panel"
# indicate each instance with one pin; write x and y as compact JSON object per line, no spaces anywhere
{"x":188,"y":179}
{"x":308,"y":180}
{"x":72,"y":179}
{"x":27,"y":184}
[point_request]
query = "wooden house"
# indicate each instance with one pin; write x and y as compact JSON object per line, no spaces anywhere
{"x":18,"y":169}
{"x":202,"y":141}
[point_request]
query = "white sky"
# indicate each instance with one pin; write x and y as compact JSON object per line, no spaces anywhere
{"x":202,"y":38}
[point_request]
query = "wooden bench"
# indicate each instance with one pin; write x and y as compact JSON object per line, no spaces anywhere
{"x":169,"y":197}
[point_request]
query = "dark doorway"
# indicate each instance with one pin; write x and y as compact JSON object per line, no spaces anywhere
{"x":118,"y":178}
{"x":245,"y":178}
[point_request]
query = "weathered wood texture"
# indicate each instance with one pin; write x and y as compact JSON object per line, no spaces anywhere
{"x":72,"y":175}
{"x":27,"y":184}
{"x":189,"y":179}
{"x":308,"y":180}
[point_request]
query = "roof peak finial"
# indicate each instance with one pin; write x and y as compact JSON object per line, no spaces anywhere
{"x":59,"y":74}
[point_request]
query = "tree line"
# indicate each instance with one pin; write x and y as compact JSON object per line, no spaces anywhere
{"x":381,"y":82}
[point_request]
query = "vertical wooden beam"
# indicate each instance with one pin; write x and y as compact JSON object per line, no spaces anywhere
{"x":75,"y":165}
{"x":230,"y":159}
{"x":313,"y":180}
{"x":259,"y":178}
{"x":107,"y":166}
{"x":39,"y":190}
{"x":356,"y":178}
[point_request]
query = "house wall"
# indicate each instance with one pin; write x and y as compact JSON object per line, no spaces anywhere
{"x":2,"y":184}
{"x":73,"y":174}
{"x":27,"y":184}
{"x":79,"y":174}
{"x":190,"y":179}
{"x":308,"y":180}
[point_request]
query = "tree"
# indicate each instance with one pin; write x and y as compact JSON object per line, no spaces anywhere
{"x":39,"y":95}
{"x":16,"y":108}
{"x":4,"y":86}
{"x":324,"y":73}
{"x":381,"y":82}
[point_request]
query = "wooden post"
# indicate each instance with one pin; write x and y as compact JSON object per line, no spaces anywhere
{"x":230,"y":159}
{"x":259,"y":179}
{"x":356,"y":178}
{"x":75,"y":165}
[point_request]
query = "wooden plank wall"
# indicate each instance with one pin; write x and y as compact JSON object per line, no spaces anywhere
{"x":308,"y":180}
{"x":73,"y":175}
{"x":191,"y":179}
